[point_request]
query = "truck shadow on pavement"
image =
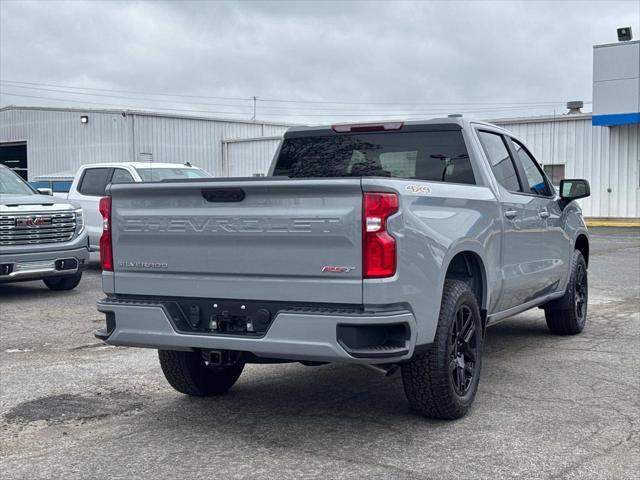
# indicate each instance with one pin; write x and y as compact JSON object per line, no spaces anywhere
{"x":19,"y":291}
{"x":27,"y":290}
{"x":317,"y":401}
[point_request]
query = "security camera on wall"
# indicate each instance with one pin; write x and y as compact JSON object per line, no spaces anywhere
{"x":624,"y":34}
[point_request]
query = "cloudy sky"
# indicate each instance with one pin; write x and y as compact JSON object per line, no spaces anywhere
{"x":307,"y":62}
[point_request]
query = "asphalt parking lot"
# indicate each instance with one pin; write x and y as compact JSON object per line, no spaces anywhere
{"x":548,"y":406}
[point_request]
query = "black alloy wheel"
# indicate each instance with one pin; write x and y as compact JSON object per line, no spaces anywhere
{"x":463,"y":350}
{"x":580,"y":294}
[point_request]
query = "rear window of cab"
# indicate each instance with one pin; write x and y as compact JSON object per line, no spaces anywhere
{"x":439,"y":156}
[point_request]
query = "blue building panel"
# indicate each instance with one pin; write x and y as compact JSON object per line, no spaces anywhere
{"x":615,"y":119}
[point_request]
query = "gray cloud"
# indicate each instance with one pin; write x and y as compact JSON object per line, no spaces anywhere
{"x":405,"y":52}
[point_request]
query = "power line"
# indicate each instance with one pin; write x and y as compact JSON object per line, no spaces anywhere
{"x":311,"y":115}
{"x":253,"y":100}
{"x":2,"y":82}
{"x":250,"y":98}
{"x":125,"y":91}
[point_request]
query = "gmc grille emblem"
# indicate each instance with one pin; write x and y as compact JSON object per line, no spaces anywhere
{"x":33,"y":221}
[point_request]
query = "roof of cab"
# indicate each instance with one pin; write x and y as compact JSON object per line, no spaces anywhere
{"x":447,"y":123}
{"x":139,"y":165}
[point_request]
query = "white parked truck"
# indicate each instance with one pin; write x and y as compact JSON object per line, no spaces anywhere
{"x":41,"y":237}
{"x":91,"y":181}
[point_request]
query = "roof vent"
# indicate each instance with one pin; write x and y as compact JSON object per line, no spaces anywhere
{"x":574,"y":107}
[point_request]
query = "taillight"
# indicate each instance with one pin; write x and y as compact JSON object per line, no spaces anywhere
{"x":379,"y":247}
{"x":106,"y":251}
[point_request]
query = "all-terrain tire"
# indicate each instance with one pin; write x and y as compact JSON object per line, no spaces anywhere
{"x":428,"y":380}
{"x":571,"y":320}
{"x":188,"y":374}
{"x":63,"y":283}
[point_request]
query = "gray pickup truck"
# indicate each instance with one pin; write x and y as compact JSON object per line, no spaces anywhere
{"x":383,"y":244}
{"x":41,"y":237}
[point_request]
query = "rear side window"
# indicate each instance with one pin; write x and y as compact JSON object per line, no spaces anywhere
{"x":435,"y":156}
{"x":94,"y":181}
{"x":120,"y":175}
{"x":500,"y":160}
{"x":150,"y":174}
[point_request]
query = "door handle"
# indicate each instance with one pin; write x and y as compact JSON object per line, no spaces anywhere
{"x":544,"y":214}
{"x":511,"y":214}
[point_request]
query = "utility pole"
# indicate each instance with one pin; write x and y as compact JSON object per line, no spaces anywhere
{"x":254,"y":108}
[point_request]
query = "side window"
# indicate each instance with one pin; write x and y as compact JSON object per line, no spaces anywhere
{"x":94,"y":181}
{"x":120,"y":175}
{"x":500,"y":160}
{"x":534,"y":179}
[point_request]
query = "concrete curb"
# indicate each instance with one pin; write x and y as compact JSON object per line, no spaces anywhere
{"x":613,"y":222}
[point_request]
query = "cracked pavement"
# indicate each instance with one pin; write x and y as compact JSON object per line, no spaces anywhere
{"x":548,"y":406}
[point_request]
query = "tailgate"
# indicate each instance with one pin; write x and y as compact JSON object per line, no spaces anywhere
{"x":251,"y":239}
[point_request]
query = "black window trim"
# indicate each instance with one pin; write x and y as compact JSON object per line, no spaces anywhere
{"x":81,"y":182}
{"x":510,"y":152}
{"x":521,"y":171}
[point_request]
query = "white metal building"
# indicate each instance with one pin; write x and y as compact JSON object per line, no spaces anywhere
{"x":56,"y":140}
{"x":569,"y":146}
{"x":40,"y":141}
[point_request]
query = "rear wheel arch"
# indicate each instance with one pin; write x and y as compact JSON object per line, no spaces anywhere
{"x":469,"y":267}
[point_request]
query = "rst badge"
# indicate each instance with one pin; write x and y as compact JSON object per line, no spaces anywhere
{"x":340,"y":269}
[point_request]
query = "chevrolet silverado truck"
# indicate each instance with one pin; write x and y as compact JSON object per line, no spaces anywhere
{"x":390,"y":245}
{"x":41,"y":237}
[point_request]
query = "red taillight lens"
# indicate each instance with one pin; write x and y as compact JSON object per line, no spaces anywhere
{"x":379,"y":247}
{"x":106,"y":251}
{"x":366,"y":127}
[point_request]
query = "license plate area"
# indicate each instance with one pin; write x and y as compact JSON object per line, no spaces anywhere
{"x":220,"y":317}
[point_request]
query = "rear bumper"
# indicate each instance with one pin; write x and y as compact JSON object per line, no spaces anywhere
{"x":39,"y":265}
{"x":293,"y":335}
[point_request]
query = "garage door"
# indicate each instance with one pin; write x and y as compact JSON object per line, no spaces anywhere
{"x":14,"y":156}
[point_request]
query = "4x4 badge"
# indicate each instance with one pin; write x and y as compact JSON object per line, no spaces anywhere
{"x":418,"y":189}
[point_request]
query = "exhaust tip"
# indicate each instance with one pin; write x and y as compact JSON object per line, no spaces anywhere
{"x":384,"y":370}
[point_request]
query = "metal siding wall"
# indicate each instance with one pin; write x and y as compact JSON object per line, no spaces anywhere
{"x":624,"y":179}
{"x":57,"y":141}
{"x":607,"y":157}
{"x":198,"y":141}
{"x":247,"y":158}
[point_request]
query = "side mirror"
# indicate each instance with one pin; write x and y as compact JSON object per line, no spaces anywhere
{"x":572,"y":190}
{"x":45,"y":191}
